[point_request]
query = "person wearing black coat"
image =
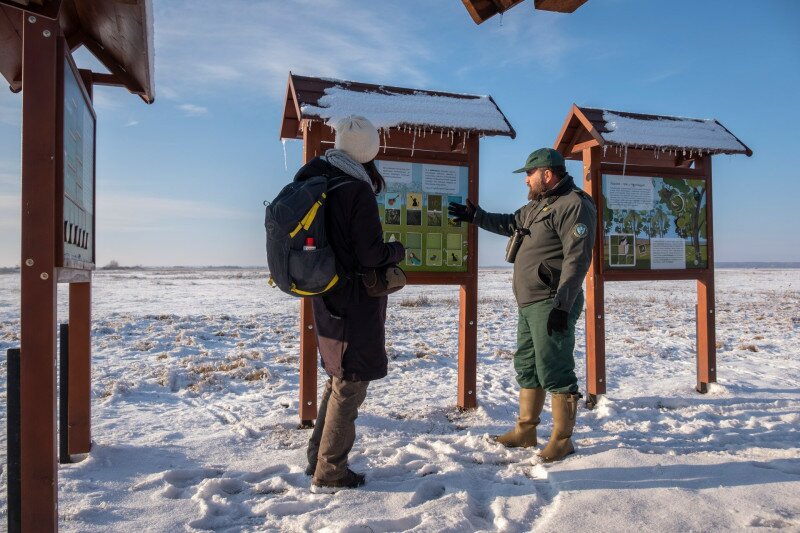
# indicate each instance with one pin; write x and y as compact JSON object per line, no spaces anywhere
{"x":349,"y":323}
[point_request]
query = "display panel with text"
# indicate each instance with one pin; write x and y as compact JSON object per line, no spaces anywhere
{"x":654,"y":223}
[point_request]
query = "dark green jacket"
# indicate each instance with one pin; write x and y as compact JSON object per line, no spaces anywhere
{"x":553,"y":260}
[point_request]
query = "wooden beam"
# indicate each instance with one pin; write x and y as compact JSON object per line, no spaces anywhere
{"x":580,"y":147}
{"x":482,"y":10}
{"x":39,"y":464}
{"x":99,"y":78}
{"x":641,"y":170}
{"x":560,"y":6}
{"x":312,"y":147}
{"x":595,"y":290}
{"x":619,"y":274}
{"x":706,"y":307}
{"x":468,"y":298}
{"x":99,"y":51}
{"x":80,"y":365}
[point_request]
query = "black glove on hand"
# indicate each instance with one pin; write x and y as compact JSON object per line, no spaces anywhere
{"x":557,"y":321}
{"x":461,"y":212}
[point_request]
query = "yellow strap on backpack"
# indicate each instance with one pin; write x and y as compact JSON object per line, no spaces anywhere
{"x":307,"y":220}
{"x":306,"y":293}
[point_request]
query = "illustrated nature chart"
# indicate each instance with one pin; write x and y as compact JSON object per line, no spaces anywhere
{"x":413,"y":210}
{"x":654,"y":223}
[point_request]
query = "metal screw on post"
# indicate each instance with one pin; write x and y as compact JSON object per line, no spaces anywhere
{"x":32,"y":19}
{"x":29,"y":262}
{"x":44,"y":275}
{"x":46,"y":33}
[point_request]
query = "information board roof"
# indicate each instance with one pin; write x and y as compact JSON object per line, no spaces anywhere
{"x":118,"y":32}
{"x":586,"y":126}
{"x":481,"y":10}
{"x":389,"y":107}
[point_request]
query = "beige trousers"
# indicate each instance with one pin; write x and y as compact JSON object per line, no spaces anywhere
{"x":335,"y":430}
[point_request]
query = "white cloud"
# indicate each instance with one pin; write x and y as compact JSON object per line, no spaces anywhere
{"x":10,"y":108}
{"x":136,"y":213}
{"x":257,"y":43}
{"x":132,"y":123}
{"x":192,"y":110}
{"x":528,"y":37}
{"x":9,"y":213}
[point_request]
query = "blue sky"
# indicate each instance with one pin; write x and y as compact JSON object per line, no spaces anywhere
{"x":181,"y":182}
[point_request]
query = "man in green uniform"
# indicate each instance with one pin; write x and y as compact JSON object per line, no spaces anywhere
{"x":551,"y":240}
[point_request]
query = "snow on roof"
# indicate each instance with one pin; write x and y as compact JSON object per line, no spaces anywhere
{"x":669,"y":132}
{"x":420,"y":109}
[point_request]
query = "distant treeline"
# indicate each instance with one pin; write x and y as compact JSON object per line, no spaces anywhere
{"x":757,"y":264}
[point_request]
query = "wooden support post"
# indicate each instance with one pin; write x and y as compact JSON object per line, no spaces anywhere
{"x":468,"y":312}
{"x":12,"y":442}
{"x":312,"y":147}
{"x":706,"y":308}
{"x":63,"y":394}
{"x":80,"y":368}
{"x":595,"y":307}
{"x":40,"y":229}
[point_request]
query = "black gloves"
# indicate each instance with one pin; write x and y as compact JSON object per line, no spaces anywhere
{"x":557,"y":321}
{"x":461,"y":212}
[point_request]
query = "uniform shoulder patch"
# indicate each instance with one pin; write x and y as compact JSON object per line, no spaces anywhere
{"x":580,"y":230}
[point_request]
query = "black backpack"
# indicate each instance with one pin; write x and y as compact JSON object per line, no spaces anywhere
{"x":301,"y":261}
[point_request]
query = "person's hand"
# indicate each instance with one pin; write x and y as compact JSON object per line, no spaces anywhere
{"x":461,"y":212}
{"x":557,"y":321}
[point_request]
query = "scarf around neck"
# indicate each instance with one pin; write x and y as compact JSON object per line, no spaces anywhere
{"x":347,"y":164}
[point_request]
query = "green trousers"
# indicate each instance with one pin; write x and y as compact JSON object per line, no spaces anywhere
{"x":542,"y":360}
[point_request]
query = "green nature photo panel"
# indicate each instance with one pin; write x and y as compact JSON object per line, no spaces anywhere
{"x":654,"y":223}
{"x":413,"y":210}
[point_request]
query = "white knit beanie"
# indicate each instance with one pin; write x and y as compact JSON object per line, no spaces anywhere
{"x":358,"y":137}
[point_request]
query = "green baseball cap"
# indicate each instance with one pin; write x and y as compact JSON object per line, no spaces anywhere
{"x":543,"y":157}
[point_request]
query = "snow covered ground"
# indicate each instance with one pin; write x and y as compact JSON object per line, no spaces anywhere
{"x":195,"y":383}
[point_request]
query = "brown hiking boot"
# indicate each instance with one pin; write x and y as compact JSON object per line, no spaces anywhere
{"x":350,"y":480}
{"x":565,"y":407}
{"x":531,"y":402}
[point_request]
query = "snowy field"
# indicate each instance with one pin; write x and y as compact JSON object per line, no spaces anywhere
{"x":195,"y":379}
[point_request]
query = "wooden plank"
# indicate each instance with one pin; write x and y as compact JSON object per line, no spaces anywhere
{"x":438,"y":278}
{"x":80,"y":367}
{"x":706,"y":307}
{"x":110,"y":80}
{"x":580,"y":147}
{"x":595,"y":290}
{"x":641,"y":170}
{"x":641,"y":157}
{"x":308,"y":338}
{"x":560,"y":6}
{"x":567,"y":132}
{"x":13,"y":449}
{"x":110,"y":62}
{"x":588,"y":124}
{"x":468,"y":299}
{"x":39,"y":473}
{"x":653,"y":275}
{"x":117,"y":34}
{"x":11,"y":46}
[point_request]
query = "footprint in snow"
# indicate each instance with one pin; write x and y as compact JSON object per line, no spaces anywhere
{"x":427,"y":491}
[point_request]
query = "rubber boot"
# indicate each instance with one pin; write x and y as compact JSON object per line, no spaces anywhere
{"x":531,"y":402}
{"x":565,"y":407}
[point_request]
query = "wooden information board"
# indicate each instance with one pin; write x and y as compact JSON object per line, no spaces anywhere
{"x":77,"y":140}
